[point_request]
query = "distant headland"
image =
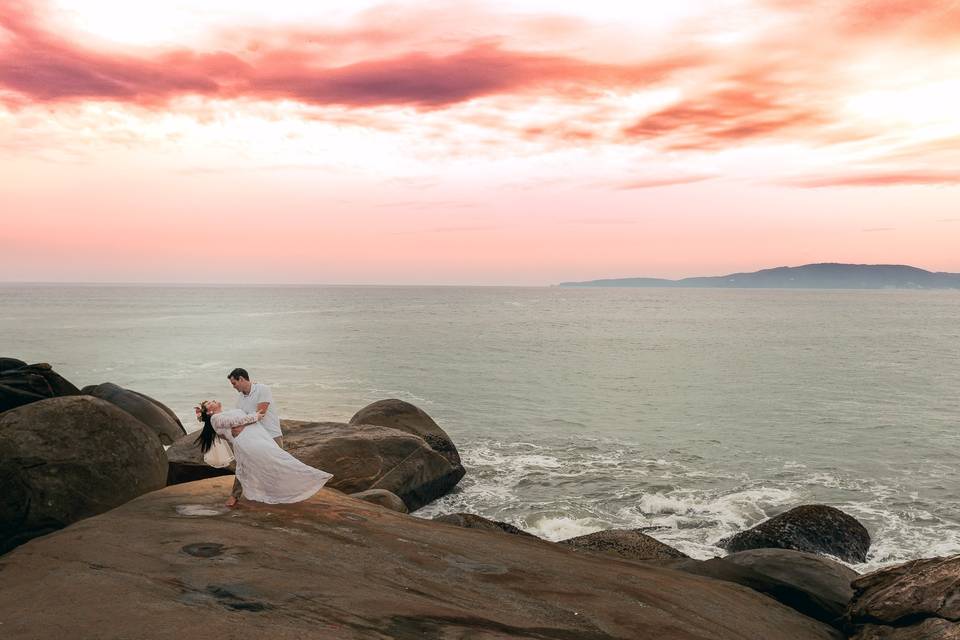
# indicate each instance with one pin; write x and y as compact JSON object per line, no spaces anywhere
{"x":827,"y":275}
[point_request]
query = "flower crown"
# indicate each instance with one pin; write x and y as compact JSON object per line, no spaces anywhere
{"x":201,"y":411}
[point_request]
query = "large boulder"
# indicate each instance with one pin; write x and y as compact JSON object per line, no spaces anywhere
{"x":174,"y":562}
{"x":473,"y":521}
{"x":150,"y":412}
{"x":404,"y":416}
{"x":64,"y":459}
{"x":819,"y":587}
{"x":631,"y":544}
{"x":31,"y":383}
{"x":918,"y":600}
{"x":360,"y":457}
{"x":814,"y":528}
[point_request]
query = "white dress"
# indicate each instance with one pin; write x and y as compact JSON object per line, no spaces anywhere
{"x":267,"y":472}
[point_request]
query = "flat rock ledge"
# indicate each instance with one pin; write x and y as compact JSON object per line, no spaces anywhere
{"x":174,"y":563}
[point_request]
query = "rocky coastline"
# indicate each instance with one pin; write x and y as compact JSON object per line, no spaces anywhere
{"x":105,"y":534}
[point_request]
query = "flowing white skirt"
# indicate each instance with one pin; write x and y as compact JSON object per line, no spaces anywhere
{"x":270,"y":474}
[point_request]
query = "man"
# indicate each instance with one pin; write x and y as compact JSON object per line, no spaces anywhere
{"x":254,"y":397}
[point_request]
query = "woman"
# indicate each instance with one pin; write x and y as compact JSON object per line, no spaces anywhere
{"x":267,"y":472}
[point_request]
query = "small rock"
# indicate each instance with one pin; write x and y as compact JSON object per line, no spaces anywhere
{"x":631,"y":544}
{"x":473,"y":521}
{"x":383,"y":498}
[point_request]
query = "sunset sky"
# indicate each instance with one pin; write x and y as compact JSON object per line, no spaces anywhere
{"x":243,"y":141}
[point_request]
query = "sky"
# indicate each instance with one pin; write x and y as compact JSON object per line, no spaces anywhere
{"x":513,"y":143}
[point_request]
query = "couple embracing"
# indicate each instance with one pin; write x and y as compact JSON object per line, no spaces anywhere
{"x":265,"y":472}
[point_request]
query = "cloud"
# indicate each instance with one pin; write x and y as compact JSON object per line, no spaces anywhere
{"x":548,"y":80}
{"x":422,"y":80}
{"x":463,"y":229}
{"x":931,"y":21}
{"x":877,"y":179}
{"x":666,"y":181}
{"x":46,"y":68}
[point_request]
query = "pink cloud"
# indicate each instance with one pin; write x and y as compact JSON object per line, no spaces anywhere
{"x":43,"y":68}
{"x":878,"y":179}
{"x":652,"y":183}
{"x":781,"y":84}
{"x":46,"y":68}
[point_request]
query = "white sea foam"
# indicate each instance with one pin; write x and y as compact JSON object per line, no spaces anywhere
{"x":563,"y":527}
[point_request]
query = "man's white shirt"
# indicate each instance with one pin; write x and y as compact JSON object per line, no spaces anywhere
{"x":248,"y":402}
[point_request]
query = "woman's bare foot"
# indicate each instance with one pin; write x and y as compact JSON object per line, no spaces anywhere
{"x":231,"y":502}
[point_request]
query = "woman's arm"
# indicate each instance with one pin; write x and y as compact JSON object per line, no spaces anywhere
{"x":222,"y":423}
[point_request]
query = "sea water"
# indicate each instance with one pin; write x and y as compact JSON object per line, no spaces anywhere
{"x":692,"y":414}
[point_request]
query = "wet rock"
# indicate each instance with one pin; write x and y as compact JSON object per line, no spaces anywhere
{"x":360,"y":457}
{"x":915,"y":600}
{"x":65,"y":459}
{"x":150,"y":412}
{"x":819,"y":587}
{"x":473,"y":521}
{"x":383,"y":498}
{"x":812,"y":528}
{"x":631,"y":544}
{"x":404,"y":416}
{"x":337,"y":568}
{"x":31,"y":383}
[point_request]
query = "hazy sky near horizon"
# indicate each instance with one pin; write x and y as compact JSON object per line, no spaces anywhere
{"x":478,"y":142}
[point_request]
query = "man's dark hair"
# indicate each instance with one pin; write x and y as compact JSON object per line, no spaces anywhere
{"x":238,"y":374}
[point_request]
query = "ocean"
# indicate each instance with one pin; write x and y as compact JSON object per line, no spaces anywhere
{"x":690,"y":413}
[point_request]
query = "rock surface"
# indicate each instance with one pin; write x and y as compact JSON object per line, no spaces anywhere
{"x":918,"y":599}
{"x":822,"y":585}
{"x":812,"y":528}
{"x":175,"y":564}
{"x":31,"y":383}
{"x":360,"y":457}
{"x":381,"y":497}
{"x":929,"y":629}
{"x":11,"y":363}
{"x":631,"y":544}
{"x":65,"y":459}
{"x":473,"y":521}
{"x":404,"y":416}
{"x":150,"y":412}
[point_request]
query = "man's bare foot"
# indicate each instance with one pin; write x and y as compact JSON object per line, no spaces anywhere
{"x":231,"y":502}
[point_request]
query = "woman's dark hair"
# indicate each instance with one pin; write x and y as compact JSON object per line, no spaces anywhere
{"x":207,"y":434}
{"x":238,"y":374}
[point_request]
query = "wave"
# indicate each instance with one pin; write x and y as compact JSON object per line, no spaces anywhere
{"x":572,"y":487}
